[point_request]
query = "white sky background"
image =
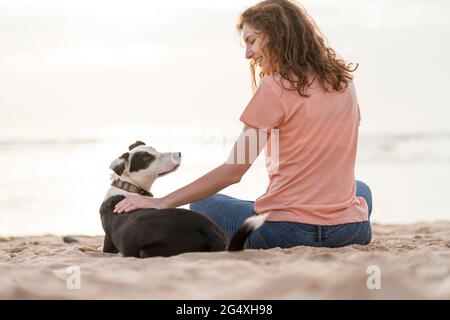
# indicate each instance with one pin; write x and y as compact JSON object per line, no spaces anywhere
{"x":102,"y":63}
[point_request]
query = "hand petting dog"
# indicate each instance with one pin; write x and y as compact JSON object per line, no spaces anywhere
{"x":131,"y":203}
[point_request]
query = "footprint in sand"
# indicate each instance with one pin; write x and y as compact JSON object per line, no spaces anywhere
{"x":87,"y":249}
{"x":15,"y":251}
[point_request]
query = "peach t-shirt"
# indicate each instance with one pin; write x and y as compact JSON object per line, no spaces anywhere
{"x":313,"y":181}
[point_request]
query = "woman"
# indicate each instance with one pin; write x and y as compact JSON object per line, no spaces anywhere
{"x":306,"y":106}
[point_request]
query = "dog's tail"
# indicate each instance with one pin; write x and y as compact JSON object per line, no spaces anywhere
{"x":68,"y":239}
{"x":250,"y":224}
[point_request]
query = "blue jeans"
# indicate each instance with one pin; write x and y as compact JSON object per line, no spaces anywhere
{"x":229,"y":213}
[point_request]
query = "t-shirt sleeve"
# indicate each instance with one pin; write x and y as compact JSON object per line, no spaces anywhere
{"x":264,"y":111}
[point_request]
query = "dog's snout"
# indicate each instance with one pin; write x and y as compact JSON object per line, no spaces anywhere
{"x":176,"y":157}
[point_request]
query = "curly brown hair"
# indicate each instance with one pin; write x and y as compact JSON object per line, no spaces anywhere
{"x":296,"y":47}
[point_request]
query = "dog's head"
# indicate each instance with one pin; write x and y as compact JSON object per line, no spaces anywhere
{"x":144,"y":164}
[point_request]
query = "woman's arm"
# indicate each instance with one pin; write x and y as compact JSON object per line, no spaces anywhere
{"x":207,"y":185}
{"x":245,"y":151}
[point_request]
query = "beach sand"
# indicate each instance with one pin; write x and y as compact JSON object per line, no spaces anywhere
{"x":412,"y":261}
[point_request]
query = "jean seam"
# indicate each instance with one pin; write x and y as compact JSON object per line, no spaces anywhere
{"x":250,"y":243}
{"x":354,"y":235}
{"x":305,"y":238}
{"x":279,"y":237}
{"x":302,"y":231}
{"x":336,"y":231}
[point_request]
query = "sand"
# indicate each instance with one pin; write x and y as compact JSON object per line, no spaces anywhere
{"x":402,"y":262}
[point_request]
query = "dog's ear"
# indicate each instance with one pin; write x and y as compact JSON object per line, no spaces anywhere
{"x":118,"y":165}
{"x":134,"y":145}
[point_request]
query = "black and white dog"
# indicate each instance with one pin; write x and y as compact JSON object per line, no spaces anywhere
{"x":159,"y":232}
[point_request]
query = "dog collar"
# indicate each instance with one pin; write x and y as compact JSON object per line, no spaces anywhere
{"x":130,"y":188}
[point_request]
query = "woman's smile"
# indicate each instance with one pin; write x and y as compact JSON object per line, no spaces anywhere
{"x":255,"y":43}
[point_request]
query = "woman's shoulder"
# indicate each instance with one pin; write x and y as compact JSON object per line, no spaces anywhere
{"x":273,"y":82}
{"x":283,"y":85}
{"x":280,"y":86}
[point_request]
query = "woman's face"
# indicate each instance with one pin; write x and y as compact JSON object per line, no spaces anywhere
{"x":255,"y":44}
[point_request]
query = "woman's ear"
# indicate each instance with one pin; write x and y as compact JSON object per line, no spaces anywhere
{"x":118,"y":165}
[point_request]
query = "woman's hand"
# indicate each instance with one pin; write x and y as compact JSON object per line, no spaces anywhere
{"x":131,"y":203}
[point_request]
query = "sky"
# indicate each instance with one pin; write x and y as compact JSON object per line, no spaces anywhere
{"x":75,"y":65}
